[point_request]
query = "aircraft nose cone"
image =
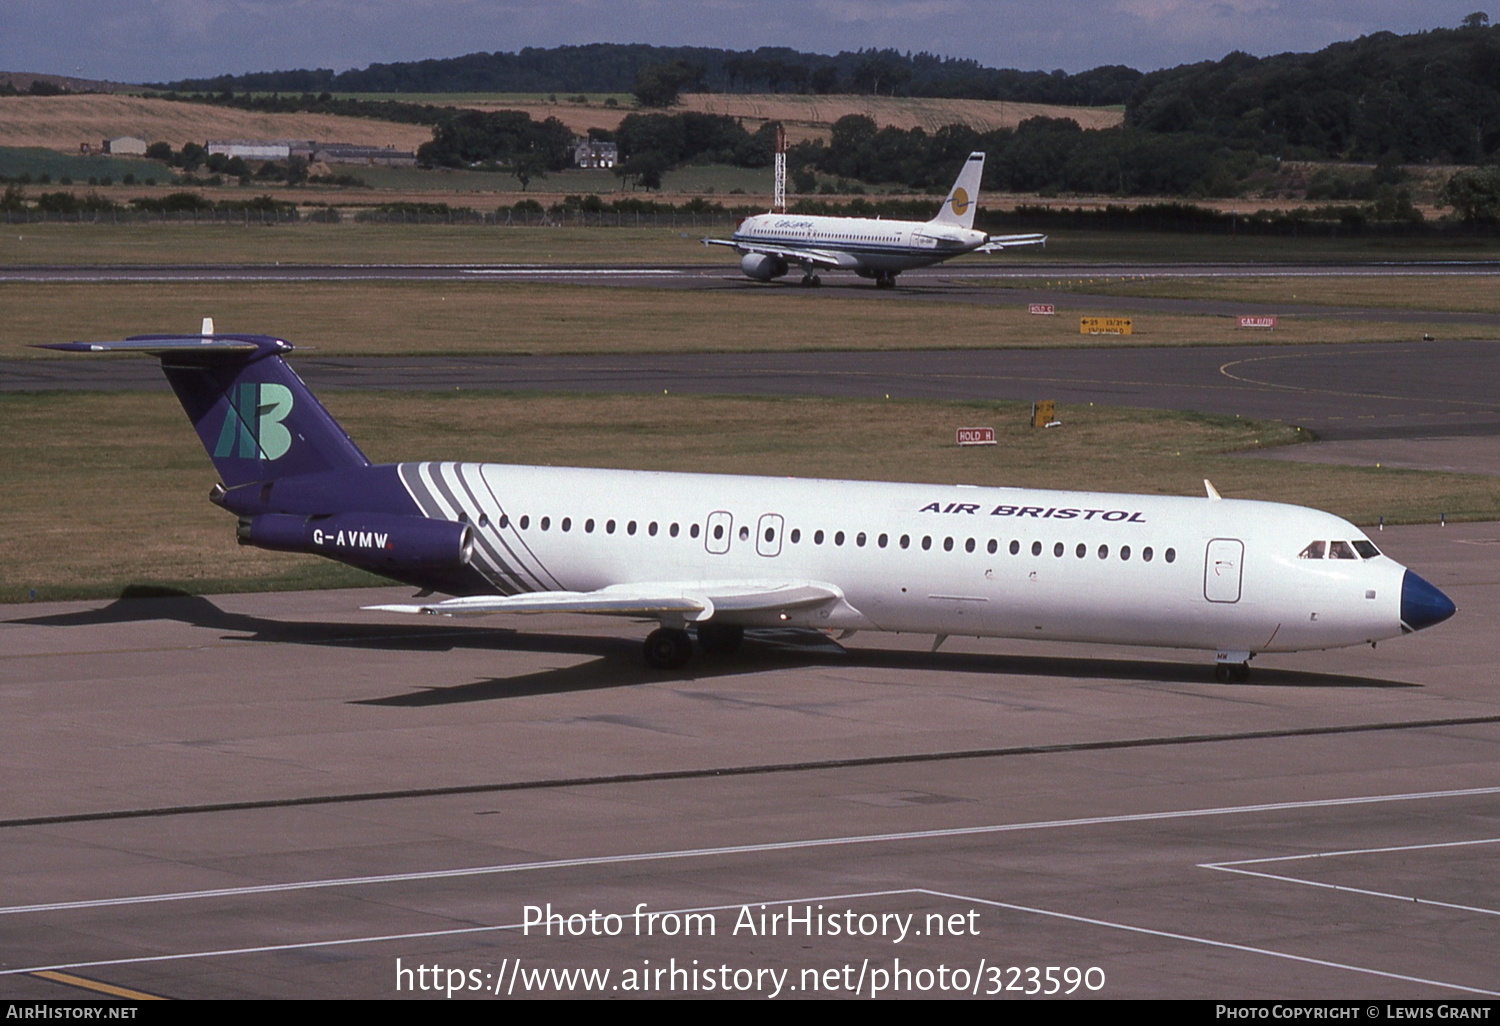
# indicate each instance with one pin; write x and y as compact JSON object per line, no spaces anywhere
{"x":1422,"y":605}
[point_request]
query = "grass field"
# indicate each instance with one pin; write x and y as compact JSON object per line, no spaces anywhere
{"x":108,"y":491}
{"x":1415,"y":292}
{"x":411,"y":318}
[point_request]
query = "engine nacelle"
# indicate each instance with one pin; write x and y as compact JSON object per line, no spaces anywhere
{"x":762,"y":267}
{"x":374,"y":540}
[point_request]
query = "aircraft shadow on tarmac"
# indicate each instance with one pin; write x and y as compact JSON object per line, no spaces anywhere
{"x":617,"y":662}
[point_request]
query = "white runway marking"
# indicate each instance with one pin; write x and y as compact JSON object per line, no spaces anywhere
{"x":965,"y":898}
{"x":738,"y":849}
{"x":1233,"y":867}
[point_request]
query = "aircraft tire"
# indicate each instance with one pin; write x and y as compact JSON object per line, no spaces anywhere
{"x":668,"y":648}
{"x":719,"y":639}
{"x":1232,"y":673}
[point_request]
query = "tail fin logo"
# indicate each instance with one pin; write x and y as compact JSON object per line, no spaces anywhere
{"x":253,"y":424}
{"x":960,"y":201}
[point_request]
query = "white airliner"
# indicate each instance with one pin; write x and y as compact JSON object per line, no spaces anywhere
{"x":769,"y":244}
{"x":722,"y":553}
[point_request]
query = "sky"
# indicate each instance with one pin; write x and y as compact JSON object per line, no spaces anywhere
{"x":162,"y":40}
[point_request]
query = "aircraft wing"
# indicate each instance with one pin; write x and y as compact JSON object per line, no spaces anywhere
{"x":695,"y":600}
{"x":831,"y":259}
{"x":999,"y":242}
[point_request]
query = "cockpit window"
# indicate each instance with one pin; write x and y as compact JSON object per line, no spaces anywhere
{"x":1313,"y":551}
{"x":1341,"y":550}
{"x":1366,"y":549}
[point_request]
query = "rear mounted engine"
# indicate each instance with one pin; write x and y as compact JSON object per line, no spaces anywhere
{"x":376,"y":540}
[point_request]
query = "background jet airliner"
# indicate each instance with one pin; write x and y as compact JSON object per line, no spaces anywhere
{"x":770,"y":244}
{"x":722,"y":553}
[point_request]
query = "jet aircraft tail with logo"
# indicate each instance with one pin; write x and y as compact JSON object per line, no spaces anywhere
{"x":253,"y":414}
{"x":963,"y":199}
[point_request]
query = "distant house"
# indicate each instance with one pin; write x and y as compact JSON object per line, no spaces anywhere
{"x":346,"y":153}
{"x":254,"y":149}
{"x":125,"y":145}
{"x":589,"y":153}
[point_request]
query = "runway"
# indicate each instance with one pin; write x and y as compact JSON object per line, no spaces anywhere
{"x":1002,"y":281}
{"x":361,"y":789}
{"x":280,"y":795}
{"x":1358,"y":391}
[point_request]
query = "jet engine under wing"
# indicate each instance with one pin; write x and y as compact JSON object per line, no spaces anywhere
{"x":694,"y":600}
{"x":999,"y":242}
{"x":831,"y":259}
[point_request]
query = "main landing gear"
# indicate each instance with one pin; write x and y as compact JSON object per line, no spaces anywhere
{"x":885,"y":280}
{"x":811,"y":281}
{"x":1232,"y":667}
{"x":669,"y":648}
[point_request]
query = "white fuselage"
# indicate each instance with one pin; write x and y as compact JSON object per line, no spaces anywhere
{"x":860,"y":243}
{"x":944,"y":559}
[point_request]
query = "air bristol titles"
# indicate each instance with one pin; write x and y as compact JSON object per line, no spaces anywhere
{"x":771,"y":244}
{"x":707,"y":556}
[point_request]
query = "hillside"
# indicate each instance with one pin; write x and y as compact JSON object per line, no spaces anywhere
{"x":811,"y":117}
{"x":63,"y":122}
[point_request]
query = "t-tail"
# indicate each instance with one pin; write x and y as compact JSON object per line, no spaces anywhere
{"x":293,"y":476}
{"x":963,"y":199}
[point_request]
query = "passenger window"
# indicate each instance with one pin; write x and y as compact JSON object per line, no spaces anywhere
{"x":651,"y":529}
{"x":947,"y":544}
{"x":818,"y":537}
{"x":796,"y":535}
{"x":693,"y":531}
{"x":672,"y":530}
{"x":1171,"y":555}
{"x":1340,"y":550}
{"x":838,"y":538}
{"x":969,"y":545}
{"x":1036,"y":548}
{"x":1125,"y":552}
{"x":906,"y":541}
{"x":567,"y":523}
{"x":1313,"y":551}
{"x":504,"y":520}
{"x":770,"y":534}
{"x":588,"y":526}
{"x":744,"y":533}
{"x":1015,"y":547}
{"x":718,"y":532}
{"x":546,"y":523}
{"x":883,"y":540}
{"x":1366,"y":549}
{"x":1057,"y":550}
{"x":1082,"y":550}
{"x":994,"y":546}
{"x":1104,"y":552}
{"x":926,"y":542}
{"x":1146,"y":553}
{"x":630,"y":527}
{"x":525,"y":522}
{"x":859,"y":539}
{"x":609,"y":527}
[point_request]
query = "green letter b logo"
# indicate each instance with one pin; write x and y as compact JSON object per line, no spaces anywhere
{"x":255,"y":422}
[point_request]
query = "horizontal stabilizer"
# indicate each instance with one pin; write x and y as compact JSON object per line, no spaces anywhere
{"x":695,"y":600}
{"x":166,"y":345}
{"x":999,"y":242}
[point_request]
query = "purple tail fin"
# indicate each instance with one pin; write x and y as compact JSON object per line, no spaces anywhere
{"x":252,"y":413}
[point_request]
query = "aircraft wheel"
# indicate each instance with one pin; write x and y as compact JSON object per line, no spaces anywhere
{"x":719,"y":639}
{"x":1232,"y":673}
{"x":885,"y":281}
{"x":816,"y":281}
{"x":668,"y":648}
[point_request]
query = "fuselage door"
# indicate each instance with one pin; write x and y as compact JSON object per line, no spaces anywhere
{"x":718,"y":532}
{"x":1223,"y":569}
{"x":768,"y":535}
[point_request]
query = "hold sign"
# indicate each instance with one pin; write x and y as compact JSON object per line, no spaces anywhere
{"x":1257,"y":322}
{"x":1041,"y":308}
{"x":1104,"y":325}
{"x":976,"y":436}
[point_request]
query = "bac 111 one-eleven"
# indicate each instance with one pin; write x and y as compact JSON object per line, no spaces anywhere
{"x":707,"y":556}
{"x":771,"y":244}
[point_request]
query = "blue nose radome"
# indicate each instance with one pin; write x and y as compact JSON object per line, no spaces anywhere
{"x":1422,"y":605}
